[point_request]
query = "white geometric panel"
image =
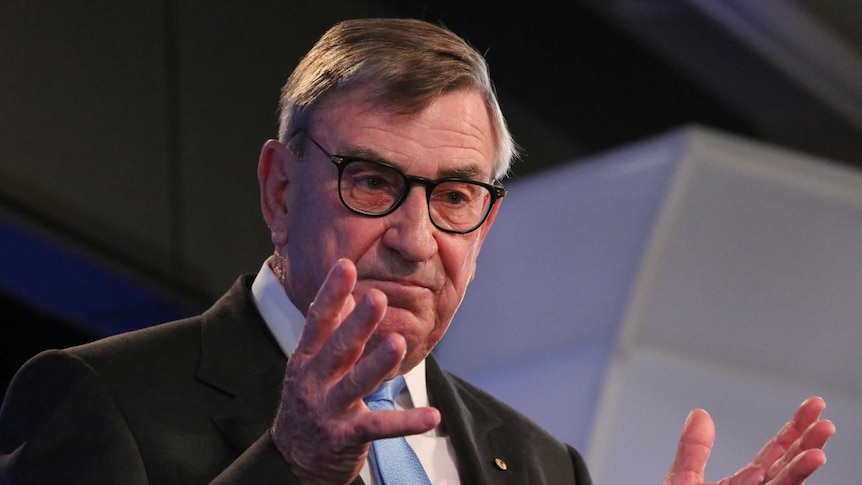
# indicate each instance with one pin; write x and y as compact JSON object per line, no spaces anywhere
{"x":693,"y":269}
{"x":748,"y":301}
{"x":757,"y":260}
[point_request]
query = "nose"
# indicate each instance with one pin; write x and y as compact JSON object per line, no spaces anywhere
{"x":411,"y":232}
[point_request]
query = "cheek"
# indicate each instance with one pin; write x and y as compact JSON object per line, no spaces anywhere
{"x":311,"y":236}
{"x":311,"y":202}
{"x":459,"y":261}
{"x":329,"y":231}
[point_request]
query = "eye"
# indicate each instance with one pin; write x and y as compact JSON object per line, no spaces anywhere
{"x":455,"y":194}
{"x":372,"y":182}
{"x":453,"y":197}
{"x":371,"y":175}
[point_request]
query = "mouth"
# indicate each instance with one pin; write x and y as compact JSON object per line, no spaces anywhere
{"x":400,"y":292}
{"x":397,"y":284}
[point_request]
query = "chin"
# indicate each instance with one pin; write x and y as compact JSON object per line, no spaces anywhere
{"x":417,"y":332}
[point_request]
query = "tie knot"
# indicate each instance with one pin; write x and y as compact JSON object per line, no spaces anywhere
{"x":387,"y":390}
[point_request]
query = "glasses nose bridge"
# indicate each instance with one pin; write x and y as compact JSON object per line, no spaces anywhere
{"x":409,"y":182}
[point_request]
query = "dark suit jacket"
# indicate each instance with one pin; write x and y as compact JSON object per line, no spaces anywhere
{"x":191,"y":401}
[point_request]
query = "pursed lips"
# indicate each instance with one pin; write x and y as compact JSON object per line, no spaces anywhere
{"x":384,"y":282}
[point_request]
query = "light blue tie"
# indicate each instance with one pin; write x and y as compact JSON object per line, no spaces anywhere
{"x":394,"y":460}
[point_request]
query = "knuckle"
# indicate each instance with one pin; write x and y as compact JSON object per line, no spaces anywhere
{"x":315,"y":313}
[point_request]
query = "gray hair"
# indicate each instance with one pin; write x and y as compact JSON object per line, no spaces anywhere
{"x":405,"y":63}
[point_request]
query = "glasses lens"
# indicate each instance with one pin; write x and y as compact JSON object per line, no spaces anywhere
{"x":374,"y":189}
{"x":459,"y":206}
{"x":371,"y":188}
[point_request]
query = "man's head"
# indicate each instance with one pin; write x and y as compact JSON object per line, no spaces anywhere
{"x":403,"y":64}
{"x":410,"y":95}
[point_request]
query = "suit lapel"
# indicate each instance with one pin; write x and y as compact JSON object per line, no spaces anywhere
{"x":240,"y":357}
{"x":469,"y":423}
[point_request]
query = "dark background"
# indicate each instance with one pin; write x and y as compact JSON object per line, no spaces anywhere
{"x":129,"y":132}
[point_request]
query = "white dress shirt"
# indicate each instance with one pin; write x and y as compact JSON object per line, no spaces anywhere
{"x":285,"y":321}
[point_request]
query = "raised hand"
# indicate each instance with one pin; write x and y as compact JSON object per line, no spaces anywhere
{"x":789,"y":458}
{"x":323,"y":429}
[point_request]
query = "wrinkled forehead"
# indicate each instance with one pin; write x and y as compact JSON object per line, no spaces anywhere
{"x":452,"y":131}
{"x":331,"y":109}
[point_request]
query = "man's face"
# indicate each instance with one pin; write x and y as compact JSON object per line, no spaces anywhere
{"x":423,"y":271}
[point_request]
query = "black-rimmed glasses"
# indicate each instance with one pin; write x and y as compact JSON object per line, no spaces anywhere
{"x":375,"y":189}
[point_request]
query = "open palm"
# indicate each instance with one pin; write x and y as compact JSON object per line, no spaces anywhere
{"x":789,"y":458}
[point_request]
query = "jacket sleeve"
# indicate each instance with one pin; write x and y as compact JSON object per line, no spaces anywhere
{"x":260,"y":463}
{"x":59,"y":424}
{"x":582,"y":474}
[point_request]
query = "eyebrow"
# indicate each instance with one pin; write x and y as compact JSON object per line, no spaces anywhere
{"x":467,"y":172}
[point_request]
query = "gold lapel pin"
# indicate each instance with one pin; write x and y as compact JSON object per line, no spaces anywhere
{"x":501,"y":464}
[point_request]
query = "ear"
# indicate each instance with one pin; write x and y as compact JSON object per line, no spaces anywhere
{"x":272,"y":174}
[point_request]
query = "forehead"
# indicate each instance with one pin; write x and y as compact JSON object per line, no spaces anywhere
{"x":452,"y":134}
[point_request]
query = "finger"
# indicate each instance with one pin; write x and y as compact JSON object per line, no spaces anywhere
{"x":325,"y":312}
{"x":383,"y":362}
{"x":366,"y":376}
{"x":347,"y":342}
{"x":695,"y":444}
{"x":820,"y":432}
{"x":369,"y":372}
{"x":800,"y":468}
{"x":806,"y":414}
{"x":389,"y":424}
{"x":814,"y":437}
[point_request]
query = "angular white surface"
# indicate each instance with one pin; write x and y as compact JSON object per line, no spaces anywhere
{"x":694,"y":269}
{"x":748,"y":301}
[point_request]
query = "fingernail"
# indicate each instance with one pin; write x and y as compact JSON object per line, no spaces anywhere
{"x":390,"y":345}
{"x":367,"y":302}
{"x":403,"y":351}
{"x":430,"y":418}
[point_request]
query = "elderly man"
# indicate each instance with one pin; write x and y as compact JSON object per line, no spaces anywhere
{"x":378,"y":194}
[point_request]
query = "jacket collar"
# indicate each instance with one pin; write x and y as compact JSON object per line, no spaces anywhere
{"x":240,"y":357}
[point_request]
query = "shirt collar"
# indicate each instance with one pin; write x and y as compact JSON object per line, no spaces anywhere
{"x":282,"y":317}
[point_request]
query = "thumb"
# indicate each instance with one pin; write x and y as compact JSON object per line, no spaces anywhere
{"x":695,"y":444}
